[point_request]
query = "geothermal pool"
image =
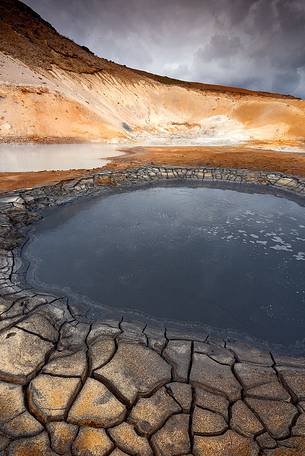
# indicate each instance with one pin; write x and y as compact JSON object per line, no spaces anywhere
{"x":53,"y":157}
{"x":220,"y":258}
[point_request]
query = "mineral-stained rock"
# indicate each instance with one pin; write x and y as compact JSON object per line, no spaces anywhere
{"x":299,"y":427}
{"x":134,"y":370}
{"x":22,"y":354}
{"x":253,"y":375}
{"x":118,"y":452}
{"x":209,"y":374}
{"x":266,"y":441}
{"x":182,"y":392}
{"x":11,"y":401}
{"x":155,"y":336}
{"x":91,"y":442}
{"x":4,"y":442}
{"x":294,"y":378}
{"x":33,"y":446}
{"x":101,"y":330}
{"x":207,"y":422}
{"x":67,"y":364}
{"x":178,"y":354}
{"x":249,"y":353}
{"x":215,"y":402}
{"x":24,"y":425}
{"x":244,"y":421}
{"x":132,"y":332}
{"x":73,"y":336}
{"x":173,"y":438}
{"x":228,"y":444}
{"x":101,"y":351}
{"x":50,"y":397}
{"x":62,"y":436}
{"x":96,"y":406}
{"x":273,"y":390}
{"x":219,"y":354}
{"x":289,"y":361}
{"x":276,"y":415}
{"x":150,"y":413}
{"x":40,"y":325}
{"x":128,"y":440}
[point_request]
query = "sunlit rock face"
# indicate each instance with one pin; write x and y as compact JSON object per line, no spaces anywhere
{"x":51,"y":89}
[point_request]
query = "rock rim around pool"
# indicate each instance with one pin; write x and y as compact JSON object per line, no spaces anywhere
{"x":69,"y":385}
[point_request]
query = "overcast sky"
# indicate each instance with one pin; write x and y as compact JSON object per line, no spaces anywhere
{"x":258,"y":44}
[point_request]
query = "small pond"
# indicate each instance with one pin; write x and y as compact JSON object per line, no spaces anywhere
{"x":52,"y":157}
{"x":222,"y":258}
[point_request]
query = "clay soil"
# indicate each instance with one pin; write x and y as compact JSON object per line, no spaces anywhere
{"x":16,"y":181}
{"x":222,"y":157}
{"x":226,"y":157}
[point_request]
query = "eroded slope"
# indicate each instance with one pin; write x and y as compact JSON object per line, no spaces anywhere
{"x":53,"y":89}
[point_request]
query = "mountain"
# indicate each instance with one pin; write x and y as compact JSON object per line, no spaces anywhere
{"x":52,"y":89}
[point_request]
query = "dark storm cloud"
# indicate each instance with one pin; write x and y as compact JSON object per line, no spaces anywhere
{"x":258,"y":44}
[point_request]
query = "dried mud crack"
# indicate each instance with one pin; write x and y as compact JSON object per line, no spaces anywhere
{"x":69,"y":386}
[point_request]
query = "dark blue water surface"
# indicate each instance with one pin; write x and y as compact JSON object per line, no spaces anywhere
{"x":217,"y":257}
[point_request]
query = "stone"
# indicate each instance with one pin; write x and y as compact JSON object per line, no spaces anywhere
{"x":248,"y":353}
{"x":253,"y":375}
{"x":133,"y":370}
{"x":40,"y":325}
{"x":178,"y":354}
{"x":11,"y":401}
{"x":277,"y":416}
{"x":73,"y":336}
{"x":96,"y":406}
{"x":265,"y":441}
{"x":273,"y":390}
{"x":22,"y":355}
{"x":244,"y":421}
{"x":299,"y":427}
{"x":294,"y":378}
{"x":50,"y":396}
{"x":4,"y":442}
{"x":228,"y":444}
{"x":118,"y":452}
{"x":103,"y":330}
{"x":92,"y":442}
{"x":23,"y":425}
{"x":101,"y":351}
{"x":33,"y":446}
{"x":206,"y":422}
{"x":128,"y":440}
{"x":173,"y":438}
{"x":62,"y":436}
{"x":132,"y":332}
{"x":67,"y":364}
{"x":214,"y":376}
{"x":182,"y":392}
{"x":215,"y":402}
{"x":219,"y":354}
{"x":149,"y":414}
{"x":289,"y":361}
{"x":155,"y":337}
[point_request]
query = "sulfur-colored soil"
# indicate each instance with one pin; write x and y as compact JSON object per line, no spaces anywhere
{"x":223,"y":157}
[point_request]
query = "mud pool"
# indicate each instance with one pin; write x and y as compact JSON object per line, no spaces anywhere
{"x":215,"y":257}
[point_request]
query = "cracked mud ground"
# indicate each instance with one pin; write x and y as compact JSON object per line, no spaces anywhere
{"x":68,"y":387}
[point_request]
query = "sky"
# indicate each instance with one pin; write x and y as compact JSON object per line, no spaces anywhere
{"x":257,"y":44}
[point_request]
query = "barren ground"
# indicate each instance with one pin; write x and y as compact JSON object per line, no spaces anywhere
{"x":226,"y":157}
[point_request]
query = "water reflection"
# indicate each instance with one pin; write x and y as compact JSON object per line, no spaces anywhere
{"x":220,"y":257}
